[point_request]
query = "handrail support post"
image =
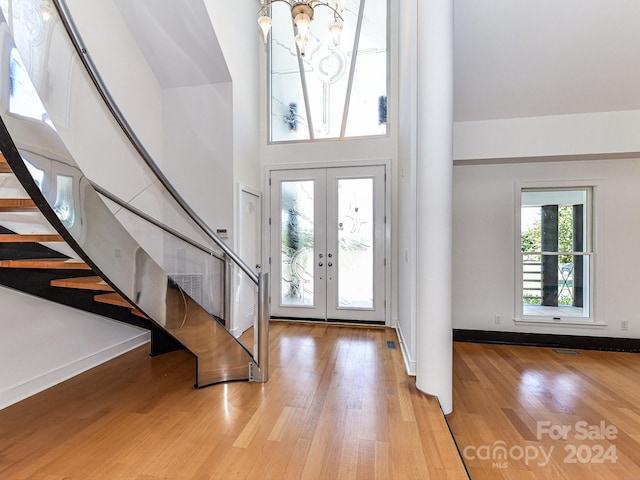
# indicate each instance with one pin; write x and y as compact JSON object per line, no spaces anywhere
{"x":260,"y":370}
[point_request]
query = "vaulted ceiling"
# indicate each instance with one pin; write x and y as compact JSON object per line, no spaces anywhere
{"x":178,"y":41}
{"x":513,"y":58}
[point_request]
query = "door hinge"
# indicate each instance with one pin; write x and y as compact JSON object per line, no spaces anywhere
{"x":269,"y":220}
{"x":385,"y":262}
{"x":269,"y":181}
{"x":269,"y":260}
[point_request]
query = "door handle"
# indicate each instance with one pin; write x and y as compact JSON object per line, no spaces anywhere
{"x":320,"y":264}
{"x":329,"y":264}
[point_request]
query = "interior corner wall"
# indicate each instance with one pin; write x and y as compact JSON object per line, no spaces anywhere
{"x":240,"y":49}
{"x":485,"y":235}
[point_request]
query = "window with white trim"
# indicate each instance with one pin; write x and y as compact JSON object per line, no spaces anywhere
{"x":555,"y":264}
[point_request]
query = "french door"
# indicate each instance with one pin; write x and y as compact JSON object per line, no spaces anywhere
{"x":328,"y":244}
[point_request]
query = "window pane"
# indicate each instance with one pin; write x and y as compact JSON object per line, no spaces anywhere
{"x":355,"y":238}
{"x":297,"y":242}
{"x":327,"y":68}
{"x":555,"y":259}
{"x":323,"y":85}
{"x":288,"y":113}
{"x":368,"y":102}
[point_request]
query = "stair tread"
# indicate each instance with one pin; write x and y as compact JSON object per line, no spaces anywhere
{"x":138,"y":313}
{"x":83,"y":283}
{"x":30,"y":238}
{"x":46,"y":263}
{"x":4,"y":166}
{"x":17,"y":204}
{"x":115,"y":298}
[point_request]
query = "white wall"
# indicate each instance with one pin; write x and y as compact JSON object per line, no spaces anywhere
{"x":485,"y":235}
{"x":198,"y":126}
{"x":123,"y":68}
{"x":553,"y":136}
{"x":240,"y":46}
{"x":135,"y":90}
{"x":43,"y":344}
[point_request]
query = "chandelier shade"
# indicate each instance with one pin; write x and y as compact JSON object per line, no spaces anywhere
{"x":302,"y":13}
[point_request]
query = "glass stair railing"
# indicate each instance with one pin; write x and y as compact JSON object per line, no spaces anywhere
{"x":36,"y":260}
{"x":154,"y":252}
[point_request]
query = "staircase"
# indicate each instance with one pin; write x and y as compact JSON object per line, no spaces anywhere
{"x":132,"y":266}
{"x":28,"y":265}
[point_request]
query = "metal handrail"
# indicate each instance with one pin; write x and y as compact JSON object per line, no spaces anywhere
{"x":262,"y":280}
{"x":135,"y":141}
{"x":139,"y":213}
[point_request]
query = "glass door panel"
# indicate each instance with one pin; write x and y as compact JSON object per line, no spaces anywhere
{"x":355,"y":243}
{"x":296,"y":242}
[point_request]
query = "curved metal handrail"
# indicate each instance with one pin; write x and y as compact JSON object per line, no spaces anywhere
{"x":260,"y":372}
{"x":148,"y":218}
{"x":97,"y":80}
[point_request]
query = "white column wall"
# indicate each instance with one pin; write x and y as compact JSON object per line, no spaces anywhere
{"x":434,"y":365}
{"x":407,"y":138}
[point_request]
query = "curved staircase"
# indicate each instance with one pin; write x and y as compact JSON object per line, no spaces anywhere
{"x":85,"y":238}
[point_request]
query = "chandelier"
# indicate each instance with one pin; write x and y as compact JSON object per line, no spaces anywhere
{"x":302,"y":13}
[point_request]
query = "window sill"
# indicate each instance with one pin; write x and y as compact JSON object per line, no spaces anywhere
{"x":563,"y":322}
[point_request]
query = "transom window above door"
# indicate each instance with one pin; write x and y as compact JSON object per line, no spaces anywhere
{"x":333,"y":91}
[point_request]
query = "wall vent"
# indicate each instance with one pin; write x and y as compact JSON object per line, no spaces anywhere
{"x":191,"y":284}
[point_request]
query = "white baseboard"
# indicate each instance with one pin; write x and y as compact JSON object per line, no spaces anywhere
{"x":30,"y":387}
{"x":409,"y":363}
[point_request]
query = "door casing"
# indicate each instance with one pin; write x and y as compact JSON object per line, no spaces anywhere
{"x":357,"y":170}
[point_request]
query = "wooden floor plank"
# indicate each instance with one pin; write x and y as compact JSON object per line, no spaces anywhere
{"x":140,"y":418}
{"x":510,"y":396}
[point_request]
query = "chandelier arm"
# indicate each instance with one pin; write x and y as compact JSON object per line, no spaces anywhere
{"x":312,"y":4}
{"x":336,"y":15}
{"x":268,"y":5}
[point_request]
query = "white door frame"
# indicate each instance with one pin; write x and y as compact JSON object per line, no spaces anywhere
{"x":387,"y":227}
{"x":236,"y":280}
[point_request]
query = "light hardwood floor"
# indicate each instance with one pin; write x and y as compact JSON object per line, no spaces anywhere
{"x":526,"y":399}
{"x":338,"y":406}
